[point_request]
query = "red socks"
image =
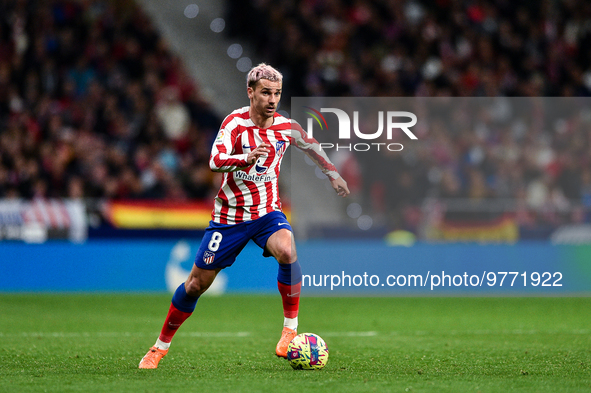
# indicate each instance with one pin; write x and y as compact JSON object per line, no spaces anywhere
{"x":174,"y":320}
{"x":290,"y":294}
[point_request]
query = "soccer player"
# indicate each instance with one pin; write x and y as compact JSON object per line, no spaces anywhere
{"x":248,"y":150}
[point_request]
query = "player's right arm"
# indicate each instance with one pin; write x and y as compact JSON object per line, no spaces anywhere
{"x":222,"y":157}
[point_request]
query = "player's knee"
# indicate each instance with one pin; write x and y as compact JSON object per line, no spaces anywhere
{"x":284,"y":255}
{"x":194,"y":288}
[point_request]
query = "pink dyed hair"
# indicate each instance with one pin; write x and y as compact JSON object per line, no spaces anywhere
{"x":263,"y":71}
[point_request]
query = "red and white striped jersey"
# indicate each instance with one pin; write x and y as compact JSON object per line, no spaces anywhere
{"x":248,"y":191}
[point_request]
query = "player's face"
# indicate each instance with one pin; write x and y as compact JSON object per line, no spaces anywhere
{"x":264,"y":97}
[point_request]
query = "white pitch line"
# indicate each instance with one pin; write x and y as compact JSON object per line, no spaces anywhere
{"x":349,"y":334}
{"x":247,"y":334}
{"x":120,"y":334}
{"x":520,"y":332}
{"x":214,"y":334}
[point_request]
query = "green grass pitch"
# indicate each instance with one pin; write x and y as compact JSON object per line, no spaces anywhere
{"x":93,"y":343}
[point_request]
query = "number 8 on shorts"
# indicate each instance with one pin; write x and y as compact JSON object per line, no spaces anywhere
{"x":214,"y":243}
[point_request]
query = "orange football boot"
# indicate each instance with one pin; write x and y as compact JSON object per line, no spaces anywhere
{"x":153,"y":357}
{"x":286,"y":336}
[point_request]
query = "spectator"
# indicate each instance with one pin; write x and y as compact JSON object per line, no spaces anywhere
{"x":88,"y":93}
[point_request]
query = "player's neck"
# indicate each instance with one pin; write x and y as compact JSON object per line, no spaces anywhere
{"x":259,"y":120}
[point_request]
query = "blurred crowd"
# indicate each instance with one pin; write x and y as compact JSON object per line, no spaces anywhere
{"x":446,"y":48}
{"x":94,"y":104}
{"x":422,"y":47}
{"x":531,"y":156}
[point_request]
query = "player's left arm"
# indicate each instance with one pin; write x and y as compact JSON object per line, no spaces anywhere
{"x":340,"y":186}
{"x":312,"y":148}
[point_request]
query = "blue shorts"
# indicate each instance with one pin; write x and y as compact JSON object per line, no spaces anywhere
{"x":222,"y":243}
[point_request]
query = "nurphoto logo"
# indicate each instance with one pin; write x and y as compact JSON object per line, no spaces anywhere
{"x":392,"y":120}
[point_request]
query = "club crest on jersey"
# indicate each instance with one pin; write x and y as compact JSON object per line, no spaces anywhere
{"x":208,"y":257}
{"x":280,"y":147}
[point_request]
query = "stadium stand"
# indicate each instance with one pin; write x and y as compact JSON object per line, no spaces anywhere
{"x":94,"y":104}
{"x":424,"y":48}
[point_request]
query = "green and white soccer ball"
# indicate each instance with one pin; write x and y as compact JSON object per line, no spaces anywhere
{"x":307,"y":351}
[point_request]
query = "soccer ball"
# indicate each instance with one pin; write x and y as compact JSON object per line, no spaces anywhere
{"x":307,"y":351}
